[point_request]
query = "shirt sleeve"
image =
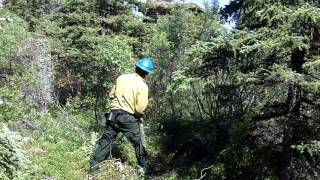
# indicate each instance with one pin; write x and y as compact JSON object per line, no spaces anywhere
{"x":142,"y":100}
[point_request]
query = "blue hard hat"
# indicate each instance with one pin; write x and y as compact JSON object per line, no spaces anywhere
{"x":145,"y":64}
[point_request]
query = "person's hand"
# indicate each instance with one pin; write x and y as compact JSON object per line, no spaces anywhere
{"x":106,"y":115}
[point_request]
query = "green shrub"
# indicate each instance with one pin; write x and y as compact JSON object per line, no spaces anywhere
{"x":12,"y":105}
{"x":13,"y":31}
{"x":61,"y":148}
{"x":13,"y":160}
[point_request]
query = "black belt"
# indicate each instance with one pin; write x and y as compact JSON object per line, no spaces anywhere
{"x":111,"y":117}
{"x":119,"y":111}
{"x":115,"y":113}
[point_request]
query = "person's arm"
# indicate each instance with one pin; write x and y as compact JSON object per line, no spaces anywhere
{"x":112,"y":93}
{"x":141,"y":101}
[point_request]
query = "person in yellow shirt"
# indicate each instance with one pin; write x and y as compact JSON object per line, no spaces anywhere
{"x":129,"y":98}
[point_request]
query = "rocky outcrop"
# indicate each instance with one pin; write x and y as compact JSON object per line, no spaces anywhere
{"x":35,"y":61}
{"x":159,"y":8}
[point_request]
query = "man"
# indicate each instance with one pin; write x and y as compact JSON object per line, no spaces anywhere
{"x":129,"y":100}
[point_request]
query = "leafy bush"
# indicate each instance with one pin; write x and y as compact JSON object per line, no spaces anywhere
{"x":13,"y":30}
{"x":61,"y":147}
{"x":312,"y":148}
{"x":12,"y":106}
{"x":13,"y":160}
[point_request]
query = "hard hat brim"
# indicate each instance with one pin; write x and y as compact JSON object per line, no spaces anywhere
{"x":144,"y":69}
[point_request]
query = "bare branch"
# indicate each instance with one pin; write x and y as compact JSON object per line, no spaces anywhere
{"x":308,"y":101}
{"x":204,"y":174}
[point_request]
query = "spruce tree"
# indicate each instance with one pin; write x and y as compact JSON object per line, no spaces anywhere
{"x":272,"y":60}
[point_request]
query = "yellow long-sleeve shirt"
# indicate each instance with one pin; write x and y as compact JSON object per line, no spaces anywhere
{"x":130,"y":93}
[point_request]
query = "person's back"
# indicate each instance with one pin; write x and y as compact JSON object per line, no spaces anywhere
{"x":130,"y":94}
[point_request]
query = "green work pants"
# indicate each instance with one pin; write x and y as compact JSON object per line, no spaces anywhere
{"x":130,"y":127}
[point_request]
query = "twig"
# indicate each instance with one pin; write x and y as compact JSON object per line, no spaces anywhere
{"x":204,"y":175}
{"x":6,"y":19}
{"x":60,"y":106}
{"x":311,"y":75}
{"x":109,"y":160}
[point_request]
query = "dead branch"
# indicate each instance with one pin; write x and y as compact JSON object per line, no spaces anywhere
{"x":204,"y":174}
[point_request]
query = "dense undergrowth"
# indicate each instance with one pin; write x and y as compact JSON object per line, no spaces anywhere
{"x":242,"y":104}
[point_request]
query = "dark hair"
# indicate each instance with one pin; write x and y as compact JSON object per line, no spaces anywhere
{"x":141,"y":72}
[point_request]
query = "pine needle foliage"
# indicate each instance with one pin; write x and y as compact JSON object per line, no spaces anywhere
{"x":267,"y":60}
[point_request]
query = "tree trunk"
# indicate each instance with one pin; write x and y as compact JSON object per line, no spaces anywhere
{"x":292,"y":120}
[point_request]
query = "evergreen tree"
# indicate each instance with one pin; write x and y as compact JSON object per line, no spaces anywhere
{"x":273,"y":56}
{"x":244,"y":103}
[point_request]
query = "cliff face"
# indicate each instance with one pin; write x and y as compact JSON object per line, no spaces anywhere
{"x":158,"y":8}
